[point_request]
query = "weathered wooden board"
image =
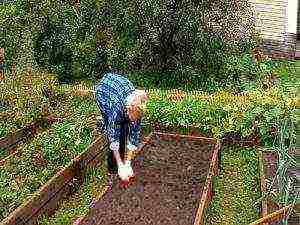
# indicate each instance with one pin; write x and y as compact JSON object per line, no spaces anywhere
{"x":47,"y":197}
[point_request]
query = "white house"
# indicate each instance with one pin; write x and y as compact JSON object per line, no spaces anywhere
{"x":278,"y":25}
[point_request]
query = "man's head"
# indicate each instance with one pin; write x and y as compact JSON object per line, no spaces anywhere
{"x":136,"y":104}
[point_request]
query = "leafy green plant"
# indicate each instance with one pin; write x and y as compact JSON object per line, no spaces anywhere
{"x":221,"y":112}
{"x":285,"y":141}
{"x":48,"y":152}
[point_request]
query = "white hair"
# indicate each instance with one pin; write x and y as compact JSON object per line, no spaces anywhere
{"x":137,"y":97}
{"x":135,"y":100}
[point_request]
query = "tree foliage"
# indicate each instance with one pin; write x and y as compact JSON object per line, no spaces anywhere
{"x":184,"y":37}
{"x":181,"y":37}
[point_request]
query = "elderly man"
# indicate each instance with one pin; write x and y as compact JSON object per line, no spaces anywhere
{"x":121,"y":106}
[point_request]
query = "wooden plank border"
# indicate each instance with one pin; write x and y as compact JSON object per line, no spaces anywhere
{"x":29,"y":129}
{"x":49,"y":194}
{"x":263,"y":186}
{"x":207,"y":192}
{"x":282,"y":212}
{"x":183,"y":136}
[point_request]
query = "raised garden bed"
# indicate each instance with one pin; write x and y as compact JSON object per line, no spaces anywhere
{"x":36,"y":162}
{"x":172,"y":178}
{"x":242,"y":183}
{"x":236,"y":188}
{"x":45,"y":200}
{"x":267,"y":208}
{"x":91,"y":185}
{"x":87,"y":188}
{"x":273,"y":211}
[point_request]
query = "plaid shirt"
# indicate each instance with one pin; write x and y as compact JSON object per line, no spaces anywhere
{"x":111,"y":97}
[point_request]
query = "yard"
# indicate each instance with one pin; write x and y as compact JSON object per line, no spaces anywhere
{"x":236,"y":187}
{"x":219,"y":130}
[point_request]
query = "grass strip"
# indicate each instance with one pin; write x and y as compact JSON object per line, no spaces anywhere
{"x":236,"y":188}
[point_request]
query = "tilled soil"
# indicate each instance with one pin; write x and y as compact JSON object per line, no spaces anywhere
{"x":170,"y":177}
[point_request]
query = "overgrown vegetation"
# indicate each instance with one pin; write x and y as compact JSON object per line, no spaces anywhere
{"x":255,"y":112}
{"x":283,"y":144}
{"x":31,"y":96}
{"x":49,"y":151}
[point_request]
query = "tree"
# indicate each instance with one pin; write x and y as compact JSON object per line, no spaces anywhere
{"x":173,"y":35}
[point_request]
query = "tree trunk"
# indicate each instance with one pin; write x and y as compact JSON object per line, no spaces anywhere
{"x":14,"y":71}
{"x":2,"y":77}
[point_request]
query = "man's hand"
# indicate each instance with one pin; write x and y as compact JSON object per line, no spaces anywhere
{"x":131,"y":149}
{"x":122,"y":172}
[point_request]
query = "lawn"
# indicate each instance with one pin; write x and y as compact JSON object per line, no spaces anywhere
{"x":236,"y":188}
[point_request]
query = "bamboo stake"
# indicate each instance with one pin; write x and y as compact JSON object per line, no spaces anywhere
{"x":275,"y":216}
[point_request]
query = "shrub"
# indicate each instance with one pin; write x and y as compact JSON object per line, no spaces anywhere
{"x":26,"y":98}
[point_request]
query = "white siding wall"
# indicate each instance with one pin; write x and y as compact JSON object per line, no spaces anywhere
{"x":272,"y":16}
{"x":277,"y":25}
{"x":292,"y":16}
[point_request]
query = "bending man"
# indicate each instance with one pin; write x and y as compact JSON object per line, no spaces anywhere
{"x":121,"y":106}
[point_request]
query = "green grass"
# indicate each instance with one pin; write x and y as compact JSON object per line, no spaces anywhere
{"x":236,"y":188}
{"x":3,"y":153}
{"x":78,"y":204}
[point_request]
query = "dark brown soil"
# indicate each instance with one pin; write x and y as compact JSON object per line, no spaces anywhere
{"x":170,"y":177}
